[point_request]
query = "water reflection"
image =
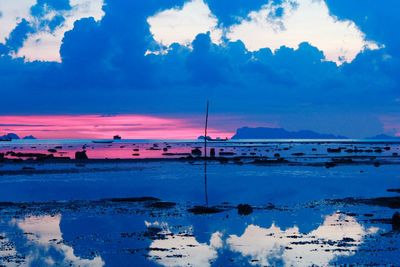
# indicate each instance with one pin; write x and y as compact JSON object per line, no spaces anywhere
{"x":39,"y":242}
{"x":47,"y":246}
{"x":182,"y":249}
{"x":338,"y":235}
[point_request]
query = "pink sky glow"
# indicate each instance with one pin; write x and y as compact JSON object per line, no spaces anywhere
{"x":104,"y":127}
{"x":391,"y":124}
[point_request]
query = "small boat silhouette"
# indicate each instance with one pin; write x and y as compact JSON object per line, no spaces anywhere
{"x":102,"y":141}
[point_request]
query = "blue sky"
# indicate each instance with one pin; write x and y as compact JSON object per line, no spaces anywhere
{"x":329,"y":66}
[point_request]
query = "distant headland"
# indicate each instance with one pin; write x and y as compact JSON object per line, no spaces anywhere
{"x":280,"y":133}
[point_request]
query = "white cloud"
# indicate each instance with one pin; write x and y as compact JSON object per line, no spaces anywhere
{"x":182,"y":25}
{"x":302,"y":21}
{"x":44,"y":45}
{"x":11,"y":13}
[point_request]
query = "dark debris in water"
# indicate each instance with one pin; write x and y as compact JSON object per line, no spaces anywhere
{"x":389,"y":202}
{"x":161,"y":205}
{"x":133,"y":199}
{"x":244,"y":209}
{"x":394,"y":190}
{"x":205,"y":210}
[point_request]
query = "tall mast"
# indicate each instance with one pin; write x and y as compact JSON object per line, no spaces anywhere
{"x":205,"y":156}
{"x":205,"y":132}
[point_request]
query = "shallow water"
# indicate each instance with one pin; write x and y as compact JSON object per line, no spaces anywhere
{"x":312,"y":150}
{"x":60,"y":213}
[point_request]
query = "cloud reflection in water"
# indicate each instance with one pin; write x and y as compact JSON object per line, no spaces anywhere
{"x":183,"y":249}
{"x":44,"y":234}
{"x":338,"y":235}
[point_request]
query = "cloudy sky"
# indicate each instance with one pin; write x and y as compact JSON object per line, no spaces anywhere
{"x":326,"y":65}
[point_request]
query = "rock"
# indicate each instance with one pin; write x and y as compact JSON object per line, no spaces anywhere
{"x":29,"y":137}
{"x":334,"y":150}
{"x":81,"y":155}
{"x":228,"y":153}
{"x":204,"y":210}
{"x":196,"y":152}
{"x":52,"y":150}
{"x":342,"y":160}
{"x":153,"y":232}
{"x":330,"y":165}
{"x":201,"y":137}
{"x":244,"y":209}
{"x":45,"y":157}
{"x":277,"y":155}
{"x":212,"y":152}
{"x":396,"y":221}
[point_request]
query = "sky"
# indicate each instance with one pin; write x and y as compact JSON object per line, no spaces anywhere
{"x":325,"y":65}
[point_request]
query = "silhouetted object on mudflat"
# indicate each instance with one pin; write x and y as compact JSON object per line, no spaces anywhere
{"x":334,"y":150}
{"x":212,"y":152}
{"x":204,"y":210}
{"x":81,"y":155}
{"x":244,"y":209}
{"x":396,"y":221}
{"x":196,"y":152}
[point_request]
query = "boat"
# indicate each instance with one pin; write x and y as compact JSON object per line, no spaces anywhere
{"x":102,"y":141}
{"x":217,"y":139}
{"x":209,"y":139}
{"x":5,"y":139}
{"x":117,"y":137}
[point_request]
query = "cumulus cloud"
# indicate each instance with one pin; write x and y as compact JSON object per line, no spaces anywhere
{"x":182,"y":24}
{"x":12,"y":13}
{"x":295,"y":21}
{"x":278,"y":23}
{"x":38,"y":28}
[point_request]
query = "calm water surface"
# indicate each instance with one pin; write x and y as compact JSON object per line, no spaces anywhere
{"x":62,"y":218}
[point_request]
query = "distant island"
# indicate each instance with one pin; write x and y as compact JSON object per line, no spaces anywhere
{"x":383,"y":137}
{"x":13,"y":136}
{"x":280,"y":133}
